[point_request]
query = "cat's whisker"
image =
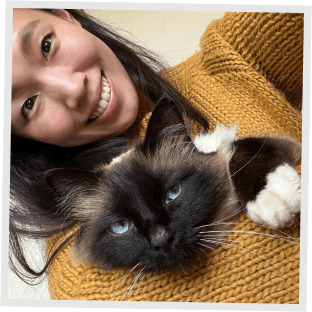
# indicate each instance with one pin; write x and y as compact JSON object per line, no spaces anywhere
{"x":224,"y":244}
{"x":234,"y":241}
{"x":221,"y":243}
{"x":265,"y":227}
{"x":287,"y":238}
{"x":212,"y":238}
{"x":127,"y":274}
{"x":211,"y":248}
{"x":251,"y":232}
{"x":217,"y":222}
{"x":133,"y":283}
{"x":221,"y":237}
{"x":257,"y":243}
{"x":138,"y":286}
{"x":215,"y":238}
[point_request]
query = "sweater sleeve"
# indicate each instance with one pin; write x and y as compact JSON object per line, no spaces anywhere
{"x":271,"y":43}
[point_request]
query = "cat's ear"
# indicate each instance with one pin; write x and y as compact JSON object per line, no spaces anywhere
{"x":166,"y":119}
{"x":61,"y":180}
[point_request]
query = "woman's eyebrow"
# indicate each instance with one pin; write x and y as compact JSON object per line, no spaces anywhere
{"x":27,"y":34}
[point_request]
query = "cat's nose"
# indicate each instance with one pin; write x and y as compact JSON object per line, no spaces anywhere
{"x":161,"y":238}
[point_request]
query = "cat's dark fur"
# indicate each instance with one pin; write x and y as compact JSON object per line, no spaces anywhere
{"x":140,"y":187}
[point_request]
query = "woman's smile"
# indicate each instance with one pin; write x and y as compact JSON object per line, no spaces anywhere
{"x":105,"y":96}
{"x":106,"y":103}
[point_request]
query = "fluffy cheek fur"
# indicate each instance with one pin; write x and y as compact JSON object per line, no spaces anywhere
{"x":87,"y":210}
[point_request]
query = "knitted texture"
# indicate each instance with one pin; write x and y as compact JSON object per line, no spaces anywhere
{"x":248,"y":72}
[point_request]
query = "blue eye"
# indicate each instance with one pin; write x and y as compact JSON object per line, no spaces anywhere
{"x":174,"y":192}
{"x":120,"y":227}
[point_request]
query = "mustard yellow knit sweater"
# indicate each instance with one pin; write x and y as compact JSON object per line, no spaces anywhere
{"x":248,"y":72}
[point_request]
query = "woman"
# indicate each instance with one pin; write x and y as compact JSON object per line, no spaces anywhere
{"x":58,"y":70}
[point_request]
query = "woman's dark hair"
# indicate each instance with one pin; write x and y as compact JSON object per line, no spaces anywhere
{"x":33,"y":206}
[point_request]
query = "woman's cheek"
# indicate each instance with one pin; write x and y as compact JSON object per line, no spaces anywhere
{"x":59,"y":122}
{"x":58,"y":127}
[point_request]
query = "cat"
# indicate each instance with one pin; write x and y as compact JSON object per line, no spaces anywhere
{"x":147,"y":207}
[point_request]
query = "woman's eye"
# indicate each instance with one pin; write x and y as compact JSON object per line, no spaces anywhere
{"x":28,"y":106}
{"x":173,"y":193}
{"x":46,"y":46}
{"x":120,"y":227}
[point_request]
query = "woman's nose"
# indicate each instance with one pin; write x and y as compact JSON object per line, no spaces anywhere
{"x":68,"y":88}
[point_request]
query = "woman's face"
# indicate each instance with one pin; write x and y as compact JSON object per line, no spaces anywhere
{"x":58,"y":86}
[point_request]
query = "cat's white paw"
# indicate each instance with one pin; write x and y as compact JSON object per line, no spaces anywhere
{"x":208,"y":143}
{"x":277,"y":204}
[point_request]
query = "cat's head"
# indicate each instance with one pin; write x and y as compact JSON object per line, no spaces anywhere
{"x":148,"y":206}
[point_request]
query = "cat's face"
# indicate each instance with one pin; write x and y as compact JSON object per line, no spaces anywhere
{"x":148,"y":206}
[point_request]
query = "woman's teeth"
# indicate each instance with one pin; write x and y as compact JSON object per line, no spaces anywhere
{"x":105,"y":98}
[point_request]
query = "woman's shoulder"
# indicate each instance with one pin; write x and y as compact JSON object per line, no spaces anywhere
{"x":268,"y":43}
